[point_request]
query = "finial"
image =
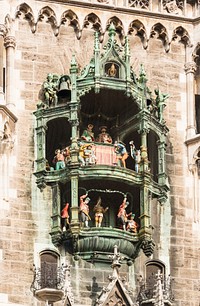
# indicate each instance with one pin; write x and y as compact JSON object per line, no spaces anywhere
{"x":112,"y":30}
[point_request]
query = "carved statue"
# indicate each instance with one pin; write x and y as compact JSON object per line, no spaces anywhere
{"x":88,"y":134}
{"x":65,"y":217}
{"x":59,"y":160}
{"x":50,"y":87}
{"x":160,"y":103}
{"x":131,"y":224}
{"x":104,"y":137}
{"x":121,"y":154}
{"x":89,"y":155}
{"x":136,"y":155}
{"x":112,"y":71}
{"x":122,"y":214}
{"x":99,"y":212}
{"x":84,"y":209}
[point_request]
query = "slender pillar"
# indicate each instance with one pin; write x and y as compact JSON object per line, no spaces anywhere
{"x":161,"y":162}
{"x":190,"y":69}
{"x":2,"y":35}
{"x":56,"y":210}
{"x":10,"y":44}
{"x":41,"y":153}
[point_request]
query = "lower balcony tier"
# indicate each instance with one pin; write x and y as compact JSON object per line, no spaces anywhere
{"x":97,"y":244}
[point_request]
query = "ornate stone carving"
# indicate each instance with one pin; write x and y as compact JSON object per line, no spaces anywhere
{"x":190,"y":67}
{"x":26,"y":11}
{"x":180,"y":34}
{"x":143,"y":4}
{"x":160,"y":32}
{"x":3,"y":30}
{"x":10,"y":41}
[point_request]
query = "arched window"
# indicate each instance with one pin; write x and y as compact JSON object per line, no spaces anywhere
{"x":49,"y":269}
{"x":152,"y":268}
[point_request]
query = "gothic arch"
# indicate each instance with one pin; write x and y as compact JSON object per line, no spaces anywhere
{"x":50,"y":18}
{"x":181,"y":35}
{"x":27,"y":12}
{"x":160,"y":32}
{"x":73,"y":21}
{"x":196,"y":54}
{"x":118,"y":26}
{"x":138,"y":28}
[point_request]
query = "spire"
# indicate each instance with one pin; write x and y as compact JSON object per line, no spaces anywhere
{"x":158,"y":291}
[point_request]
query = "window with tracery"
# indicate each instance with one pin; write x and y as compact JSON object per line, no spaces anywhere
{"x":49,"y":266}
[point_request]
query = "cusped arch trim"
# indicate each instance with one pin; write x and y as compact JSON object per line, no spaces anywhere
{"x":25,"y":10}
{"x":196,"y":54}
{"x":160,"y":32}
{"x":94,"y":20}
{"x":51,"y":18}
{"x":72,"y":19}
{"x":138,"y":27}
{"x":118,"y":27}
{"x":181,"y":35}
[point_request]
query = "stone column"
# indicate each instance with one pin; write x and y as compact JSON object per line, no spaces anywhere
{"x":190,"y":69}
{"x":10,"y":44}
{"x":56,"y":210}
{"x":161,"y":161}
{"x":2,"y":35}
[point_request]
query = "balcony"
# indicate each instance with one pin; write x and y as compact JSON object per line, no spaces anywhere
{"x":48,"y":283}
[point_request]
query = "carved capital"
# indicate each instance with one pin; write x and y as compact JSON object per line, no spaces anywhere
{"x":10,"y":41}
{"x":190,"y":67}
{"x":3,"y":30}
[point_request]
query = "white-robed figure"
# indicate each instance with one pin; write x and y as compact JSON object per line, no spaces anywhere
{"x":135,"y":154}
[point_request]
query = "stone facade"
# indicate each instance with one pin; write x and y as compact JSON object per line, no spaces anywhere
{"x":39,"y":37}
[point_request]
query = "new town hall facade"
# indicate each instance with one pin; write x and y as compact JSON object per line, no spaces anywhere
{"x":100,"y":152}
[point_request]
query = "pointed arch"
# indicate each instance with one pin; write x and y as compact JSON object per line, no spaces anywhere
{"x":181,"y":35}
{"x":72,"y":19}
{"x":196,"y":54}
{"x":160,"y":32}
{"x":118,"y":26}
{"x":94,"y":20}
{"x":140,"y":31}
{"x":25,"y":11}
{"x":51,"y":18}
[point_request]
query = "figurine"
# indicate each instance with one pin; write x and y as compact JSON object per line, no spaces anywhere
{"x":112,"y":71}
{"x":136,"y":155}
{"x":67,"y":155}
{"x":99,"y":212}
{"x":81,"y":154}
{"x":131,"y":224}
{"x":59,"y":160}
{"x":84,"y":209}
{"x":65,"y":217}
{"x":89,"y":155}
{"x":160,"y":103}
{"x":50,"y":90}
{"x":104,"y":137}
{"x":122,"y":214}
{"x":88,"y":134}
{"x":121,"y":153}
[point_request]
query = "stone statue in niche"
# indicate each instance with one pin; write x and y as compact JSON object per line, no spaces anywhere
{"x":50,"y":87}
{"x":99,"y":213}
{"x":160,"y":103}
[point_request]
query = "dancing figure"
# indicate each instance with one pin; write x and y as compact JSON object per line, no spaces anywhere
{"x":99,"y":212}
